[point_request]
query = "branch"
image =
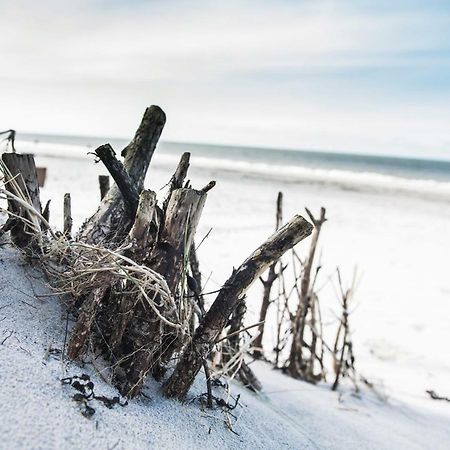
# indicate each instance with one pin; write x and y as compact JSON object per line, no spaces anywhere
{"x":110,"y":224}
{"x":123,"y":180}
{"x":209,"y":186}
{"x":234,"y":289}
{"x":176,"y":182}
{"x":139,"y":152}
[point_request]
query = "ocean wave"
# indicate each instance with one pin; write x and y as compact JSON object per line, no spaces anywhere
{"x":53,"y":150}
{"x":342,"y":179}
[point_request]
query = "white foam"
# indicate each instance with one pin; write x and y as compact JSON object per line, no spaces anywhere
{"x":59,"y":150}
{"x":343,"y":179}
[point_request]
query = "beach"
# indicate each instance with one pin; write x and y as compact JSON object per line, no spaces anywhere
{"x":395,"y":235}
{"x":386,"y":223}
{"x":225,"y":225}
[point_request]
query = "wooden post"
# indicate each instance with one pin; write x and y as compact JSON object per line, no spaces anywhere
{"x":21,"y":180}
{"x":182,"y":216}
{"x":67,"y":216}
{"x":144,"y":233}
{"x":140,"y":239}
{"x":234,"y":289}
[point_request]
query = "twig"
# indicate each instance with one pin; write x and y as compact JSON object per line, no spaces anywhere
{"x":209,"y":403}
{"x":209,"y":186}
{"x":7,"y":337}
{"x":435,"y":396}
{"x":239,"y":331}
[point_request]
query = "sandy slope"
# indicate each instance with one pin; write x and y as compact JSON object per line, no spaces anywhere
{"x":37,"y":411}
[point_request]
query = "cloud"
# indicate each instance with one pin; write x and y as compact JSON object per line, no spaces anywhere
{"x":323,"y":74}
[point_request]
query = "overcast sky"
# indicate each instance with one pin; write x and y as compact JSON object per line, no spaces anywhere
{"x":361,"y":76}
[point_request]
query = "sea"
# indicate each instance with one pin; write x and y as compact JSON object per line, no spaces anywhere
{"x":424,"y":177}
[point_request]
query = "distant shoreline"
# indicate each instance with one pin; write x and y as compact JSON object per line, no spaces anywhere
{"x":422,"y":178}
{"x":98,"y":140}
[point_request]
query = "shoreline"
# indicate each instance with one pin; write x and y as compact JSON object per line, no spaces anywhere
{"x":349,"y":179}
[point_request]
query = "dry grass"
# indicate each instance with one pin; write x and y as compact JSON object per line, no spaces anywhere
{"x":76,"y":268}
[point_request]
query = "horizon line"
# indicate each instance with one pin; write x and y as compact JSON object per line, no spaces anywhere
{"x":246,"y":146}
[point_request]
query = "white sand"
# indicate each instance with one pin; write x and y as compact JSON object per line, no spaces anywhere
{"x":37,"y":411}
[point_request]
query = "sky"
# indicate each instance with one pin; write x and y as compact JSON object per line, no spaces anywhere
{"x":345,"y":75}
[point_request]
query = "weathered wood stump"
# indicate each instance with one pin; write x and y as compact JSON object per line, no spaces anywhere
{"x":129,"y":266}
{"x":140,"y":336}
{"x":21,"y":181}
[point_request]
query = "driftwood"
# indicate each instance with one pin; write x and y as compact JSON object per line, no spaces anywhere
{"x":41,"y":175}
{"x":435,"y":396}
{"x":159,"y":342}
{"x":21,"y":181}
{"x":144,"y":233}
{"x":317,"y":346}
{"x":139,"y":332}
{"x":267,"y":285}
{"x":140,"y":243}
{"x":112,"y":221}
{"x":134,"y":273}
{"x":86,"y":317}
{"x":234,"y":289}
{"x":344,"y":360}
{"x":178,"y":177}
{"x":231,"y":344}
{"x":126,"y":185}
{"x":67,"y":228}
{"x":297,"y":367}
